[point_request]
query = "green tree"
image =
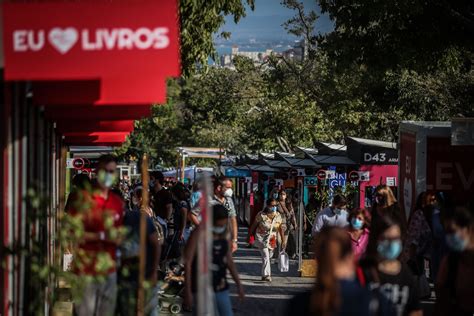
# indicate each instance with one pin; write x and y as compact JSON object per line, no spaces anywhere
{"x":200,"y":20}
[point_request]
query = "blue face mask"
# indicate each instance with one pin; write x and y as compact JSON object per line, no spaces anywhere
{"x":357,"y":223}
{"x":273,"y":208}
{"x":455,"y":242}
{"x":389,"y":249}
{"x":219,"y":230}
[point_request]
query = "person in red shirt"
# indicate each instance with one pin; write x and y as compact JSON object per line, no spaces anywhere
{"x":101,"y":212}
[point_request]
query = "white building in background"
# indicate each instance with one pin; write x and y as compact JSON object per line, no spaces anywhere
{"x":256,"y":57}
{"x":297,"y":52}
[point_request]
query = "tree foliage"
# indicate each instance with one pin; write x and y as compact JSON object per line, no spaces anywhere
{"x":200,"y":20}
{"x":384,"y":62}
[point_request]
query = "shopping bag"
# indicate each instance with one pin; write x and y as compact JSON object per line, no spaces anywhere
{"x":67,"y":260}
{"x":283,"y":262}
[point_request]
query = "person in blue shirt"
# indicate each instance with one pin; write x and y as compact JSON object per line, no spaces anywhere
{"x":335,"y":215}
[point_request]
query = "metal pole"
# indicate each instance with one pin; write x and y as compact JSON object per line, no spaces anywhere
{"x":183,"y":166}
{"x":142,"y":258}
{"x":205,"y":295}
{"x":300,"y":224}
{"x":178,"y":164}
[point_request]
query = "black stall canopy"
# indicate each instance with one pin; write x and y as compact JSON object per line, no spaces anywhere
{"x":371,"y":152}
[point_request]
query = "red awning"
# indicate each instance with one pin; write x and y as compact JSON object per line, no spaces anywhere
{"x":89,"y":126}
{"x":97,"y":113}
{"x":119,"y":91}
{"x":95,"y":138}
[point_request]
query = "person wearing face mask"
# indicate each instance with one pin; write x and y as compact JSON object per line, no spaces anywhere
{"x":384,"y":271}
{"x":221,"y":263}
{"x":454,"y":287}
{"x":334,"y":215}
{"x":337,"y":290}
{"x":95,"y":208}
{"x":358,"y":230}
{"x":265,"y":228}
{"x":386,"y":205}
{"x":223,"y":195}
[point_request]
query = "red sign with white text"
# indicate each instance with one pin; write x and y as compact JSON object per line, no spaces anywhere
{"x":449,"y":169}
{"x":91,"y":40}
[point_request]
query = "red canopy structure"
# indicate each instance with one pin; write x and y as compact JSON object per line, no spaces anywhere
{"x":95,"y":67}
{"x":95,"y":138}
{"x":97,"y":113}
{"x":96,"y":74}
{"x":88,"y":126}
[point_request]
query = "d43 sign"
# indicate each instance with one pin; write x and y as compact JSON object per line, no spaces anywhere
{"x":378,"y":157}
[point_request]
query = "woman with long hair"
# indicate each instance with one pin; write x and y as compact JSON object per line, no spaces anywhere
{"x":419,"y":238}
{"x":337,"y":290}
{"x":289,"y":224}
{"x":384,"y":270}
{"x":386,"y":205}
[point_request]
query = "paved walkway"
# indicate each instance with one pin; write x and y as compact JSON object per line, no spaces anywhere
{"x":264,"y":298}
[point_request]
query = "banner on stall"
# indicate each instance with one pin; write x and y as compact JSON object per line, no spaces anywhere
{"x":81,"y":40}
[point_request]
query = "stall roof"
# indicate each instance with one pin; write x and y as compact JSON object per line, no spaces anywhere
{"x":262,"y":168}
{"x":368,"y":151}
{"x":333,"y":160}
{"x":371,"y":142}
{"x":267,"y":155}
{"x":283,"y":154}
{"x":297,"y":162}
{"x":331,"y":149}
{"x":311,"y":151}
{"x":277,"y":163}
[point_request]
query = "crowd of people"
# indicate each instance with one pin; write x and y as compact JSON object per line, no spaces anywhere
{"x":376,"y":262}
{"x":110,"y":214}
{"x":369,"y":261}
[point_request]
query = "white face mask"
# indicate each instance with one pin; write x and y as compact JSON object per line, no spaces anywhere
{"x":228,"y":193}
{"x":106,"y":179}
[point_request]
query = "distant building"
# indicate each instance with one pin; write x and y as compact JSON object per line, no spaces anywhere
{"x":256,"y":57}
{"x":297,"y":52}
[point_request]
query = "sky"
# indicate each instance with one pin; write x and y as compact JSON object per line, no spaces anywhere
{"x":265,"y":22}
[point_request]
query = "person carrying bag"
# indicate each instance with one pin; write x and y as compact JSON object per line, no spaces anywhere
{"x":267,"y":224}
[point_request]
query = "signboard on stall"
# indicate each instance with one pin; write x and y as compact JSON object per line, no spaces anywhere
{"x":338,"y":180}
{"x":374,"y":157}
{"x":84,"y":39}
{"x":310,"y":181}
{"x":236,"y":173}
{"x":449,"y":168}
{"x":391,"y":181}
{"x":69,"y":163}
{"x":321,"y":174}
